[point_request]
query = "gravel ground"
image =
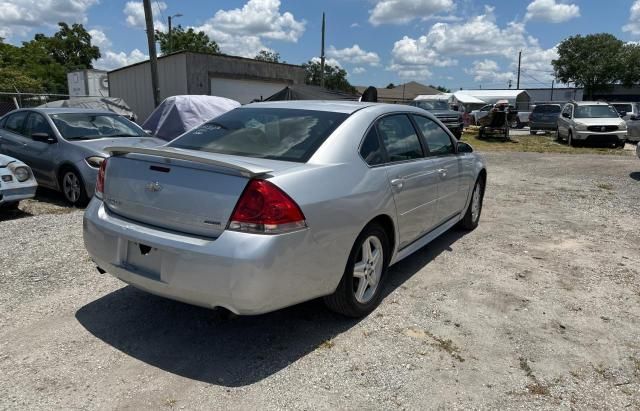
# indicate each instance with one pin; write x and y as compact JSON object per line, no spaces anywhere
{"x":537,"y":308}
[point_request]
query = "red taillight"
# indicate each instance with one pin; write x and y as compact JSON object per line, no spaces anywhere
{"x":264,"y":208}
{"x":100,"y":179}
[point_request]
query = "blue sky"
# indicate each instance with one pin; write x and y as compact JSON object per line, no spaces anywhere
{"x":455,"y":43}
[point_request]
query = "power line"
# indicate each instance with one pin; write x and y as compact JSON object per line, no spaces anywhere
{"x":160,"y":11}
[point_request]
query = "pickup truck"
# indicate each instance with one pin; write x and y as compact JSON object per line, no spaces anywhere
{"x":523,"y":116}
{"x":440,"y":108}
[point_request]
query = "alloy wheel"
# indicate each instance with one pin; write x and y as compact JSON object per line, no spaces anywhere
{"x":367,"y":269}
{"x":475,"y":203}
{"x":71,"y":187}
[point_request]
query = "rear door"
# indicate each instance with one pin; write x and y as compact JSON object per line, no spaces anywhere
{"x":564,"y":121}
{"x":413,"y":177}
{"x":453,"y":183}
{"x":13,"y":139}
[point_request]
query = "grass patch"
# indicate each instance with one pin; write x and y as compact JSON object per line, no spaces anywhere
{"x":327,"y":344}
{"x":540,"y":143}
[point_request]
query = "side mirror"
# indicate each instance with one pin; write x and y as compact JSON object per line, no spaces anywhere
{"x":464,"y":147}
{"x":633,"y":117}
{"x":566,"y":115}
{"x":43,"y":138}
{"x":622,"y":113}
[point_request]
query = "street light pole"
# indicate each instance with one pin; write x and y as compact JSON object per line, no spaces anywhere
{"x":170,"y":34}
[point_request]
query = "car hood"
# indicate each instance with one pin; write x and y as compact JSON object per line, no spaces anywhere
{"x":99,"y":145}
{"x":599,"y":121}
{"x":5,"y":160}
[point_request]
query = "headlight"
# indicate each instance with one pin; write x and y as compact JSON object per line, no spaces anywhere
{"x":623,"y":125}
{"x":22,"y":173}
{"x":94,"y":161}
{"x":581,"y":126}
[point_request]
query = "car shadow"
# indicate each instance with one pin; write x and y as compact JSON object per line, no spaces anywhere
{"x":635,"y":175}
{"x":220,"y":348}
{"x":8,"y":214}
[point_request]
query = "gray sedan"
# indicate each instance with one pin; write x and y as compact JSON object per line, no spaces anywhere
{"x":64,"y":147}
{"x":272,"y":204}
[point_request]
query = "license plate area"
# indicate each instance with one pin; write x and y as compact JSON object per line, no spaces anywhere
{"x":144,"y":260}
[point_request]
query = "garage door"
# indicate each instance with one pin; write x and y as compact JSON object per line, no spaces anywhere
{"x":244,"y":91}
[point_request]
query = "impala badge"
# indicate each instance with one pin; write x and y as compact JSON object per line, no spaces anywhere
{"x":153,"y":187}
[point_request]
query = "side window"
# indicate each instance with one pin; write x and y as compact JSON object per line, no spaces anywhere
{"x":399,"y":138}
{"x":15,"y":122}
{"x":371,"y":150}
{"x":567,"y":110}
{"x":36,"y":123}
{"x":438,"y":141}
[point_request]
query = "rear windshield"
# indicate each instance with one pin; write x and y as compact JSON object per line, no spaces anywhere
{"x":548,"y":108}
{"x":623,"y":107}
{"x":274,"y":133}
{"x":599,"y":111}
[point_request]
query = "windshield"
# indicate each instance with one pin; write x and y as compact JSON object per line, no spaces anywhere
{"x":433,"y":105}
{"x":274,"y":133}
{"x":549,"y":108}
{"x":623,"y":107}
{"x":599,"y":111}
{"x":90,"y":126}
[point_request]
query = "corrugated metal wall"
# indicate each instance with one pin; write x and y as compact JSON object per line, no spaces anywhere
{"x":133,"y":83}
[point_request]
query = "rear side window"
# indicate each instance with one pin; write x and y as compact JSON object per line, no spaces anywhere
{"x":399,"y":138}
{"x":623,"y":107}
{"x":550,"y":108}
{"x":438,"y":141}
{"x":15,"y":122}
{"x":371,"y":150}
{"x":274,"y":133}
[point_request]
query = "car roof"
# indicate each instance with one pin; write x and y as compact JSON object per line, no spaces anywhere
{"x":590,"y":103}
{"x":63,"y":110}
{"x":337,"y":106}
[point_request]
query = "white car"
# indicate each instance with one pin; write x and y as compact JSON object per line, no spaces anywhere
{"x":16,"y":181}
{"x":593,"y":122}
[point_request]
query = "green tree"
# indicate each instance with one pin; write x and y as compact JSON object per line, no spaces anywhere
{"x":594,"y":61}
{"x":390,"y":86}
{"x":71,"y":46}
{"x":12,"y":79}
{"x":186,"y":40}
{"x":631,"y":62}
{"x":266,"y":55}
{"x":335,"y":78}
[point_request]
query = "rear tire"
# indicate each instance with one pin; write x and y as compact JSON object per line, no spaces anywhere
{"x":472,"y":216}
{"x":360,"y":289}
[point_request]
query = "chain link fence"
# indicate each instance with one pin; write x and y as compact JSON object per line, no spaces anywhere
{"x":12,"y":100}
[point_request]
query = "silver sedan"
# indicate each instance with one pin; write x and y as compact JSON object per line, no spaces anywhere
{"x":272,"y":204}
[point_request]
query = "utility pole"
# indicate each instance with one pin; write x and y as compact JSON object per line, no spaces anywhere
{"x":322,"y":55}
{"x":170,"y":34}
{"x":552,"y":81}
{"x":519,"y":60}
{"x":153,"y":58}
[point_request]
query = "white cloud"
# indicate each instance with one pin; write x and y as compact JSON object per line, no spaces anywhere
{"x":414,"y":58}
{"x":19,"y":17}
{"x":403,"y":11}
{"x":354,"y":25}
{"x":134,"y":12}
{"x":551,"y":11}
{"x":328,"y":61}
{"x":242,"y":31}
{"x":633,"y":26}
{"x":354,"y":55}
{"x":111,"y":60}
{"x":99,"y":38}
{"x":359,"y":70}
{"x":488,"y":70}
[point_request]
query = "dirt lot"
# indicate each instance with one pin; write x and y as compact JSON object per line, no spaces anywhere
{"x":537,"y":308}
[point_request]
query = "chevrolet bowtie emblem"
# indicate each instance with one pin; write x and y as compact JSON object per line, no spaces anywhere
{"x":153,"y":187}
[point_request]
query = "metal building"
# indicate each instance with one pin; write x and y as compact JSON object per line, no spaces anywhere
{"x":237,"y":78}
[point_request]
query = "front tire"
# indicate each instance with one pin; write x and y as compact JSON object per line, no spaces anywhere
{"x":472,"y":216}
{"x":72,"y":188}
{"x":360,"y":289}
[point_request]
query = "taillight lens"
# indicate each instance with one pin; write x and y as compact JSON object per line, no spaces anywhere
{"x":264,"y":208}
{"x":100,"y":179}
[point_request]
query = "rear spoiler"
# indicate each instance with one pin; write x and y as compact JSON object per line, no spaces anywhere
{"x":245,"y":168}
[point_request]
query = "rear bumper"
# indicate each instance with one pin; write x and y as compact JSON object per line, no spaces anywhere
{"x":538,"y":125}
{"x":245,"y":273}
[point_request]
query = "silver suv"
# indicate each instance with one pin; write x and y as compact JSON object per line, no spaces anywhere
{"x":591,"y":122}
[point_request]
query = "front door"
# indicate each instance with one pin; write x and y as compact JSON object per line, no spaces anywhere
{"x":413,"y":178}
{"x":38,"y":154}
{"x":13,"y":141}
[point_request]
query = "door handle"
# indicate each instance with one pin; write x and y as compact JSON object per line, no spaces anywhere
{"x":443,"y":172}
{"x":397,"y":183}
